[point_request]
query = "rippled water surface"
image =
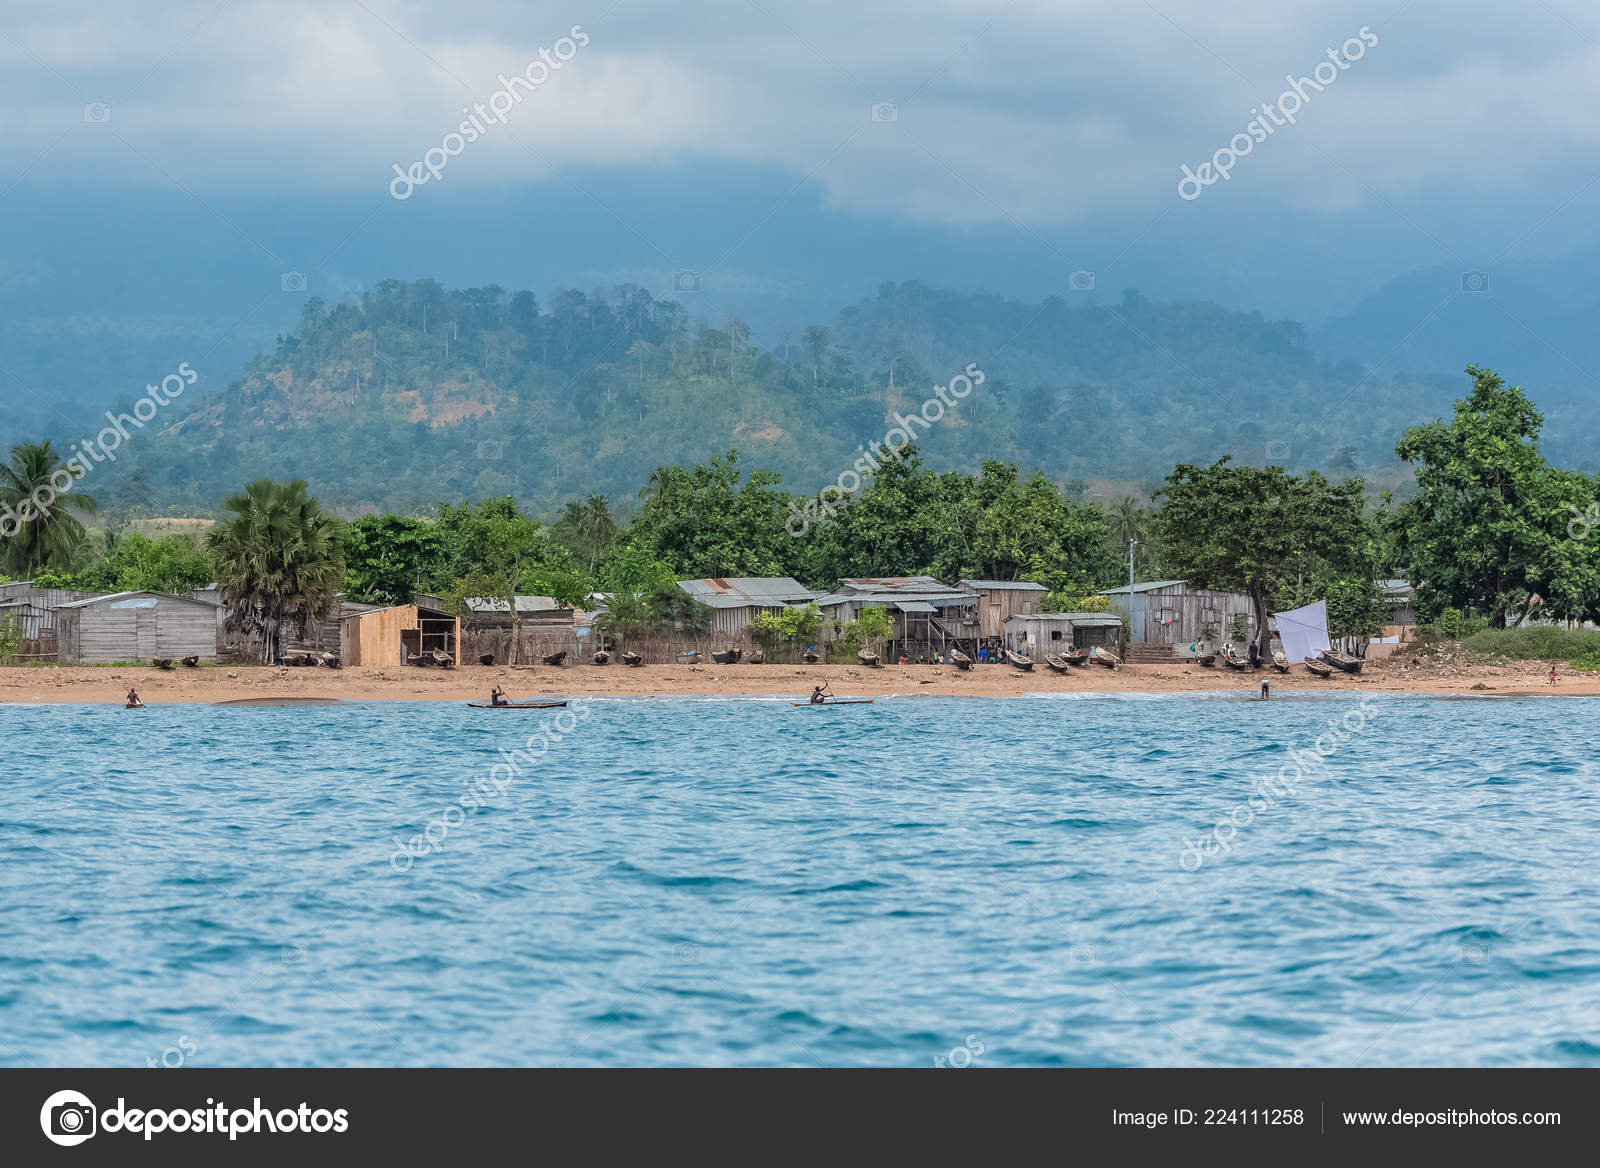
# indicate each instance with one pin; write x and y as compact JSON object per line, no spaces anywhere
{"x":716,"y":882}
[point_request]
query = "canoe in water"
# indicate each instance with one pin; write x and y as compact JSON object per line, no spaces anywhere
{"x":838,"y":702}
{"x":516,"y":705}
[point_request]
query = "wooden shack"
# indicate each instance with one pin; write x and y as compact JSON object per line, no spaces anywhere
{"x":999,"y":599}
{"x":1172,"y":612}
{"x":399,"y":635}
{"x":929,"y":616}
{"x":135,"y":626}
{"x":738,"y":600}
{"x":1042,"y":633}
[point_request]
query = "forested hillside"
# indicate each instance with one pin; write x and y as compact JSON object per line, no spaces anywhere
{"x":417,"y":394}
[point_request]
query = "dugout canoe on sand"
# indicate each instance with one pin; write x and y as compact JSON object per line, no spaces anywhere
{"x":961,"y":660}
{"x":1320,"y":668}
{"x":1059,"y":664}
{"x":1020,"y":660}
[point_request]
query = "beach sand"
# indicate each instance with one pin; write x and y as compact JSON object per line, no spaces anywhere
{"x":1402,"y":674}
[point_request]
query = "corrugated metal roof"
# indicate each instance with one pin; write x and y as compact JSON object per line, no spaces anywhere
{"x":110,"y":596}
{"x":748,"y":591}
{"x":1006,"y":585}
{"x":524,"y":604}
{"x":880,"y":584}
{"x":913,"y":606}
{"x":1150,"y":587}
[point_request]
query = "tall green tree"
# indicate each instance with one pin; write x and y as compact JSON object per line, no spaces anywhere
{"x":1487,"y":526}
{"x":388,"y":556}
{"x":279,"y":560}
{"x":34,"y":537}
{"x":1251,"y":529}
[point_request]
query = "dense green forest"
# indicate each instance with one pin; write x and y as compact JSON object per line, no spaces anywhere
{"x":417,"y":393}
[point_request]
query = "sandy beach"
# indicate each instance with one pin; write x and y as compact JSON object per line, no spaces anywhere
{"x":1402,"y":674}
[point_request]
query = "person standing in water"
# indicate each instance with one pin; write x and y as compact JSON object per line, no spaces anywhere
{"x":1266,"y":689}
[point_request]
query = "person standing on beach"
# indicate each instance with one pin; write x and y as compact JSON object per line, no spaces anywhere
{"x":1552,"y":675}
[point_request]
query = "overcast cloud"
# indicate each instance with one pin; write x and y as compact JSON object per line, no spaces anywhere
{"x":1041,"y":112}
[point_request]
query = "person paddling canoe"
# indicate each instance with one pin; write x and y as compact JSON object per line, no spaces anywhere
{"x":497,"y":697}
{"x":820,"y":694}
{"x":134,"y":701}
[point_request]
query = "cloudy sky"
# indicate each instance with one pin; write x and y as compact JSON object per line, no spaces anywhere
{"x":994,"y":144}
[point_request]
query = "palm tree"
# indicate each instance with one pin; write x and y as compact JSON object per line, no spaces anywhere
{"x":595,"y":526}
{"x":46,"y":534}
{"x":279,"y":558}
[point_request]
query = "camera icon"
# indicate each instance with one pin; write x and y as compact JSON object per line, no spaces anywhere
{"x":292,"y":281}
{"x":1474,"y":281}
{"x":885,"y":111}
{"x":97,"y":111}
{"x":293,"y":954}
{"x":686,"y":281}
{"x":1474,"y":954}
{"x":1277,"y":450}
{"x":1081,"y":281}
{"x":68,"y":1118}
{"x":491,"y":450}
{"x":686,"y":954}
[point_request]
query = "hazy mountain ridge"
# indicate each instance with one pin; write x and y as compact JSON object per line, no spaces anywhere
{"x":417,"y":393}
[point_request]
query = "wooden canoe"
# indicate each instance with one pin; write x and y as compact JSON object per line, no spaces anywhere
{"x":1233,"y":660}
{"x":1106,"y":657}
{"x":867,"y":658}
{"x":1342,"y":661}
{"x":602,"y":658}
{"x":837,"y":702}
{"x":162,"y":663}
{"x":756,"y":657}
{"x":191,"y":663}
{"x":961,"y":660}
{"x":728,"y":656}
{"x":1279,"y":661}
{"x":1076,"y":657}
{"x":556,"y":658}
{"x":811,"y":658}
{"x":134,"y":706}
{"x":1320,"y":668}
{"x":1209,"y":660}
{"x":517,"y":705}
{"x":632,"y":658}
{"x":486,"y":659}
{"x":1019,"y":660}
{"x":1059,"y":664}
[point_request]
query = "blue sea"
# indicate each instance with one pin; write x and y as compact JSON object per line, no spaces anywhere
{"x":1054,"y":880}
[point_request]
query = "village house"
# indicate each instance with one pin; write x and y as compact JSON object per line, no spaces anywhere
{"x":134,"y":627}
{"x":403,"y":634}
{"x":738,"y":600}
{"x":1000,"y":599}
{"x":929,"y":617}
{"x":543,"y":626}
{"x":1039,"y":634}
{"x":1173,"y":612}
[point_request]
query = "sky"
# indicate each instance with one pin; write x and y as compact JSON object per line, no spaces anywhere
{"x":169,"y":165}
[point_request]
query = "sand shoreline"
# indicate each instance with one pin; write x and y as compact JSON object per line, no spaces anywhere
{"x":74,"y":684}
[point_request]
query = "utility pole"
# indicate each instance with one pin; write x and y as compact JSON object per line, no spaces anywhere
{"x":1131,"y":544}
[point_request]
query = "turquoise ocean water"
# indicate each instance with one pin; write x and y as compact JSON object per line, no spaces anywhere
{"x":1161,"y":880}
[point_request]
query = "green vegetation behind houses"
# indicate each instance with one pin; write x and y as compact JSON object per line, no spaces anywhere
{"x":1578,"y":648}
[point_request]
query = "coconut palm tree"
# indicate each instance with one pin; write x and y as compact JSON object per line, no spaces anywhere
{"x":279,"y":558}
{"x":47,"y":535}
{"x":595,"y":525}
